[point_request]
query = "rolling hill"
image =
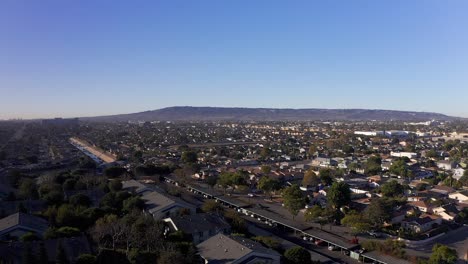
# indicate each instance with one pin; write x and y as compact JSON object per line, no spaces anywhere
{"x":188,"y":113}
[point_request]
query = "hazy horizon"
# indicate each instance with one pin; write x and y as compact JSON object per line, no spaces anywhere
{"x":203,"y":106}
{"x":87,"y":58}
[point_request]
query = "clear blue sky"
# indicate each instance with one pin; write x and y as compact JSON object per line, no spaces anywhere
{"x":84,"y":58}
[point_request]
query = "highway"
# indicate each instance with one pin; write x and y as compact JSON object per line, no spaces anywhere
{"x":97,"y":155}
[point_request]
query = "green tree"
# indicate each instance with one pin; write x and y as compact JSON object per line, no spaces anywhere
{"x":54,"y":197}
{"x":399,"y":167}
{"x":464,"y":179}
{"x":265,"y":153}
{"x":293,"y":199}
{"x":379,"y":211}
{"x":373,"y":165}
{"x":114,"y":172}
{"x":86,"y":259}
{"x":391,"y":189}
{"x":268,"y":185}
{"x":69,"y":184}
{"x":357,"y":222}
{"x":115,"y":185}
{"x":238,"y":223}
{"x":212,"y":206}
{"x":28,"y":237}
{"x":339,"y":195}
{"x":312,"y":150}
{"x":211,"y":180}
{"x":326,"y":175}
{"x":28,"y":189}
{"x":228,"y":179}
{"x":348,"y":149}
{"x":297,"y":255}
{"x":310,"y":179}
{"x":189,"y":156}
{"x":268,"y":242}
{"x":67,"y":231}
{"x":431,"y":153}
{"x":133,"y":203}
{"x":442,"y":254}
{"x":266,"y":169}
{"x":225,"y":179}
{"x":80,"y":200}
{"x":69,"y":215}
{"x":319,"y":215}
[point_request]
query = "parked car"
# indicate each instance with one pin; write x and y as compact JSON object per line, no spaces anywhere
{"x":374,"y":234}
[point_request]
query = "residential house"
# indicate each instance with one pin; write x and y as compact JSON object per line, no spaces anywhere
{"x":446,"y":165}
{"x":423,"y":174}
{"x":441,"y":189}
{"x":386,"y":165}
{"x":422,"y":206}
{"x":461,"y":196}
{"x":447,"y":212}
{"x":410,"y":155}
{"x":231,"y":249}
{"x":398,"y":217}
{"x":199,"y":226}
{"x":421,"y":224}
{"x":416,"y":198}
{"x":324,"y":162}
{"x":458,"y":173}
{"x":135,"y":187}
{"x":374,"y":181}
{"x":160,"y":205}
{"x":18,"y":224}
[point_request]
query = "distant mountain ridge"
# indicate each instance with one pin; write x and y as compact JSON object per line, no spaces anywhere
{"x":189,"y":113}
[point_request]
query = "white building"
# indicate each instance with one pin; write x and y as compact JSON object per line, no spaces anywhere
{"x":410,"y":155}
{"x":369,"y":133}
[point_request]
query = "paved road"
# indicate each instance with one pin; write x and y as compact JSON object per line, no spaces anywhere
{"x":98,"y":153}
{"x":457,"y":239}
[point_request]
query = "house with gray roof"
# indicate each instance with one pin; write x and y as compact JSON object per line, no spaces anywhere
{"x":135,"y":187}
{"x":161,"y":205}
{"x":200,"y":226}
{"x":157,"y":204}
{"x":18,"y":224}
{"x":236,"y":250}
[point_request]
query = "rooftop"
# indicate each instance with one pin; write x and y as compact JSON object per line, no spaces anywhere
{"x":226,"y":249}
{"x":25,"y":220}
{"x":199,"y":222}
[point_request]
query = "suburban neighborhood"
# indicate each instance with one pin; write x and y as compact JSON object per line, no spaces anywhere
{"x":234,"y":192}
